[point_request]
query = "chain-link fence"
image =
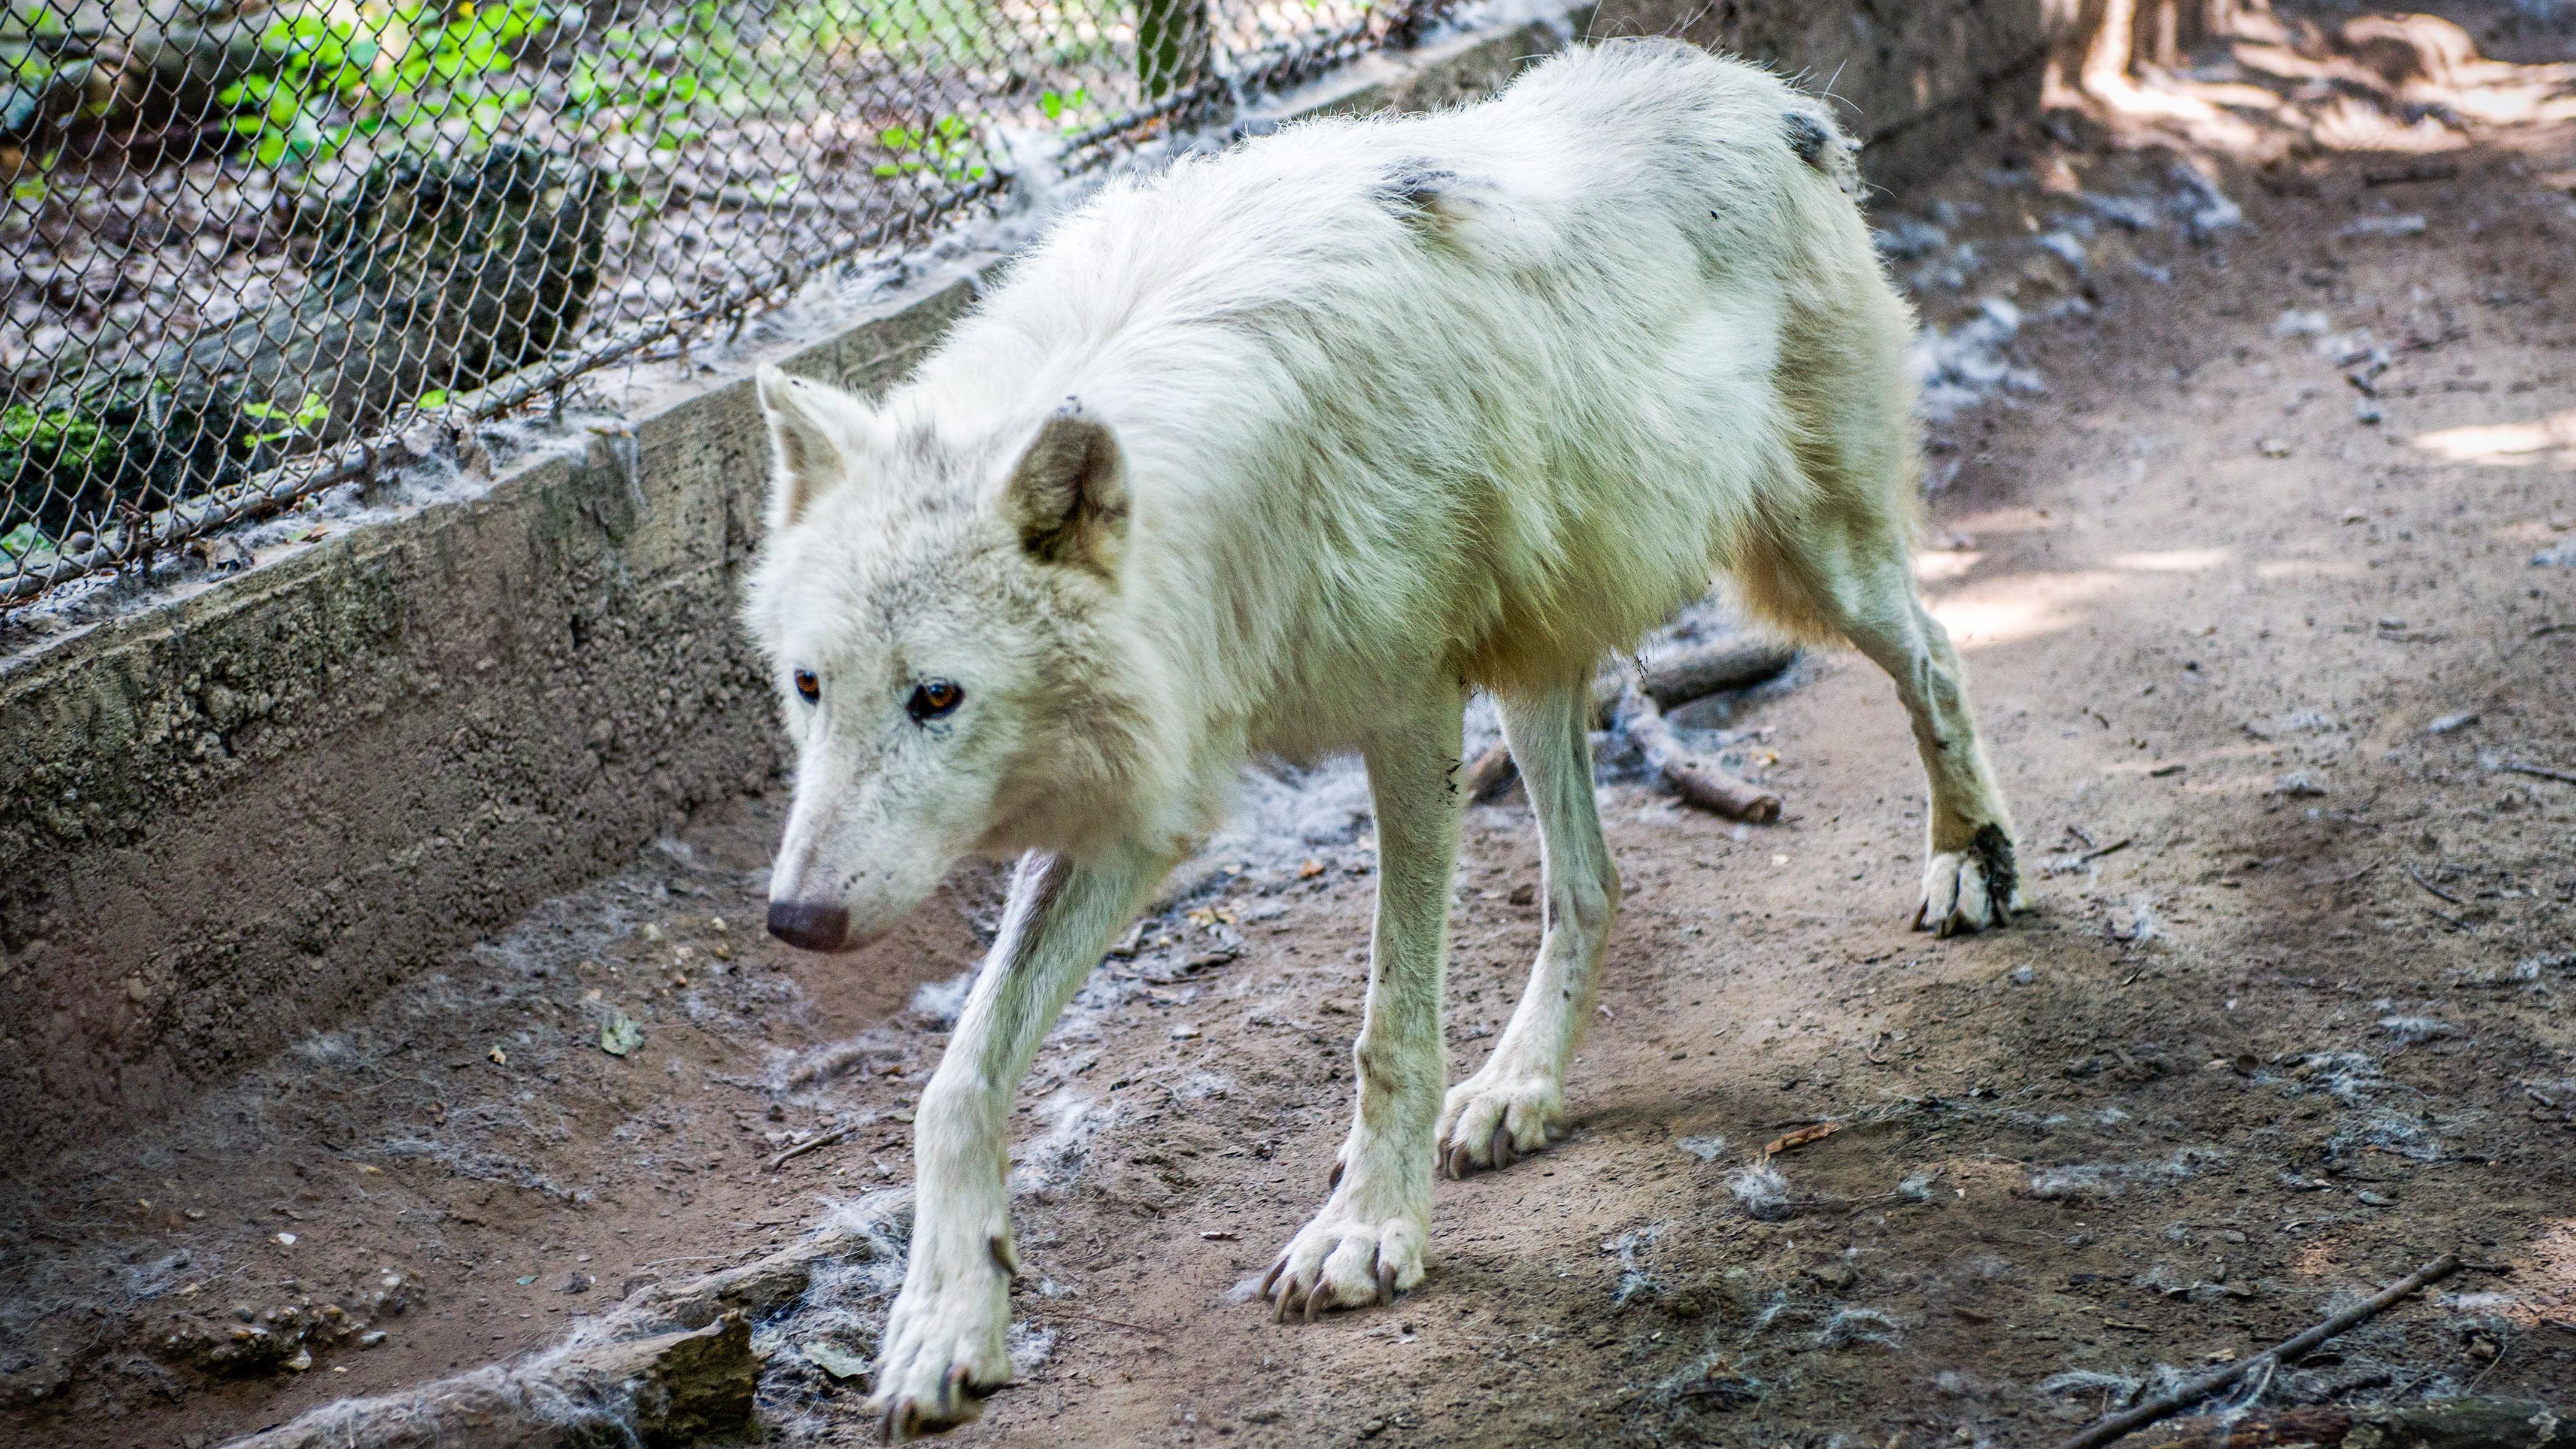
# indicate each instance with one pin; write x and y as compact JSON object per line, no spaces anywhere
{"x":243,"y":244}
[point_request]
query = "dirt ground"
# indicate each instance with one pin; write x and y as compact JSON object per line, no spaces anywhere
{"x":2258,"y":532}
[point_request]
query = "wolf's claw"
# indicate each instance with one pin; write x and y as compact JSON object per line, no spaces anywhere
{"x":1497,"y":1117}
{"x":1342,"y":1261}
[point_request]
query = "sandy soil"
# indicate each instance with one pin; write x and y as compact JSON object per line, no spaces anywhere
{"x":2262,"y":678}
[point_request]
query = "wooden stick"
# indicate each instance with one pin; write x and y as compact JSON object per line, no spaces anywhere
{"x":2465,"y":1423}
{"x":801,"y":1148}
{"x":2563,"y":777}
{"x":1486,"y":777}
{"x":1701,"y":782}
{"x":2126,"y":1421}
{"x":1671,"y":680}
{"x":1677,"y":678}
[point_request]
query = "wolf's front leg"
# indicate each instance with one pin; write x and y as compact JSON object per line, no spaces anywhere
{"x":943,"y":1348}
{"x":1369,"y":1240}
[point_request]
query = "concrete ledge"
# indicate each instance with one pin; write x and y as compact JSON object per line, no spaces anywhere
{"x":239,"y":810}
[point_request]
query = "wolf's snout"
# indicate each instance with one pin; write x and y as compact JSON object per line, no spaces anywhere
{"x":812,"y":927}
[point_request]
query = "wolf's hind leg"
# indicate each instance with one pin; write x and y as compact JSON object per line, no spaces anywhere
{"x":1368,"y":1241}
{"x":1861,"y":581}
{"x":1513,"y":1102}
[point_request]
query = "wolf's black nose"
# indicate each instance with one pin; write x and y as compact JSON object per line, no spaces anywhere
{"x":813,"y":927}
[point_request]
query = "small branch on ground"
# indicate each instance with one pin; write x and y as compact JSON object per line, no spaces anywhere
{"x":1676,"y":678}
{"x":1672,"y":680}
{"x":1699,"y":779}
{"x":2540,"y":772}
{"x":2417,"y":876}
{"x":815,"y":1145}
{"x":2167,"y":1405}
{"x":2452,"y":1423}
{"x":1488,"y":775}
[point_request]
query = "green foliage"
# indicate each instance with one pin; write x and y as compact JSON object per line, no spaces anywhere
{"x":408,"y":67}
{"x":23,"y":540}
{"x":55,"y":437}
{"x":947,"y":147}
{"x":1057,"y":105}
{"x":307,"y":415}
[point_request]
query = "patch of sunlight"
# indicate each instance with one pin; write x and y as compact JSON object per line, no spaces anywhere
{"x":2351,"y":124}
{"x":2025,"y":606}
{"x":2174,"y":560}
{"x":1939,"y":568}
{"x":2309,"y":568}
{"x":2505,"y":445}
{"x":2006,"y":520}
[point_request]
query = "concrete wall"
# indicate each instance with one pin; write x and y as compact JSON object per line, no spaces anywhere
{"x":234,"y":813}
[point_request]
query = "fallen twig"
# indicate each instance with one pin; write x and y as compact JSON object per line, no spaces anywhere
{"x":1672,"y":680}
{"x":2417,"y":876}
{"x":816,"y":1144}
{"x":2463,"y":1423}
{"x":1700,"y":781}
{"x":2563,"y":777}
{"x":1487,"y":776}
{"x":1791,"y":1142}
{"x":2165,"y":1406}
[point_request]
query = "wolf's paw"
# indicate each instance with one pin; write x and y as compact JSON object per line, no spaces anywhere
{"x":1971,"y":890}
{"x":943,"y":1349}
{"x":1346,"y":1259}
{"x":1496,"y":1116}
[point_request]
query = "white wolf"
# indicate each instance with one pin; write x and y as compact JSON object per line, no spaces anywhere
{"x":1284,"y":452}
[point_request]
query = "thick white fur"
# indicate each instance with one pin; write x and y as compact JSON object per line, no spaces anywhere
{"x":1346,"y":422}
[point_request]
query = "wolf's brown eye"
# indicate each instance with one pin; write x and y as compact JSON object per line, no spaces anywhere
{"x":932,"y":699}
{"x":808,"y":687}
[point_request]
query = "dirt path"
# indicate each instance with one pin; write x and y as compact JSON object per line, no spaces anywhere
{"x":2290,"y":1018}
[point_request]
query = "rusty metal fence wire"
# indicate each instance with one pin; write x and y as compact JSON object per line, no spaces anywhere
{"x":246,"y":243}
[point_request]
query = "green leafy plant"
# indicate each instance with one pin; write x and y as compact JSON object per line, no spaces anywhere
{"x":1057,"y":104}
{"x":23,"y":540}
{"x":57,"y":436}
{"x":946,"y":147}
{"x":307,"y":415}
{"x":411,"y":67}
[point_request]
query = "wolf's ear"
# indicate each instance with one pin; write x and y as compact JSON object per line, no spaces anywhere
{"x":807,"y":425}
{"x":1068,"y":494}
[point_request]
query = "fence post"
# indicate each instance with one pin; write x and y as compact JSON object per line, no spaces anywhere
{"x":1172,"y":45}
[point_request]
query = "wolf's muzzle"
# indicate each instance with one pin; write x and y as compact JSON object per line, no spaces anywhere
{"x":812,"y":927}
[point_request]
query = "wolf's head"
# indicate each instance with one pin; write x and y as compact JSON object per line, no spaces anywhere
{"x":926,"y":607}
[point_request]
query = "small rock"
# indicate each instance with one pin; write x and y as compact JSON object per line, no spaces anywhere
{"x":577,"y":1283}
{"x":373,"y":1339}
{"x":2372,"y":1199}
{"x":2449,"y":723}
{"x":839,"y":1363}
